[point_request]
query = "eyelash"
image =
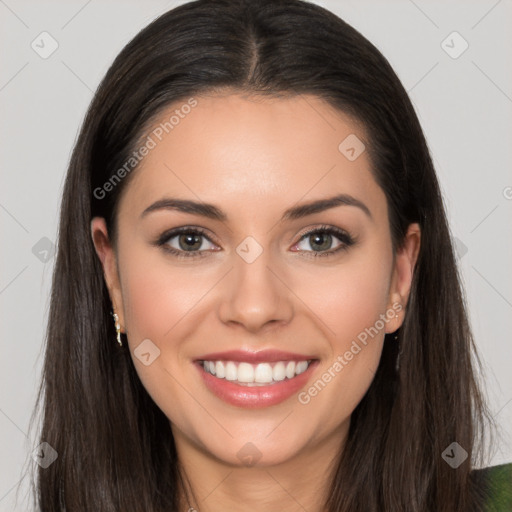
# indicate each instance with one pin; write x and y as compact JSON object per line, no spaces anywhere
{"x":345,"y":238}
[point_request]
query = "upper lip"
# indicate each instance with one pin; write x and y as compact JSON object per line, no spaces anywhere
{"x":262,"y":356}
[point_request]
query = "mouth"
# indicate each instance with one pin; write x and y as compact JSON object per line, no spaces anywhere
{"x":255,"y":385}
{"x":262,"y":374}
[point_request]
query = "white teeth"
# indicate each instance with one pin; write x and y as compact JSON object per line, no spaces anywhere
{"x":279,"y":372}
{"x":231,"y":371}
{"x":262,"y":373}
{"x":245,"y":372}
{"x":290,"y":369}
{"x":257,"y":374}
{"x":220,"y":371}
{"x":301,"y":367}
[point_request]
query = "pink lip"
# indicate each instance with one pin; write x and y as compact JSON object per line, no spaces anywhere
{"x":263,"y":356}
{"x":256,"y":396}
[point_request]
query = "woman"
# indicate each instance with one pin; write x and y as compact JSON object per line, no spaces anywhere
{"x":255,"y":302}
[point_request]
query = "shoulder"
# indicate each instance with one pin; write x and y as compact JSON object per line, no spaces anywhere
{"x":495,"y":485}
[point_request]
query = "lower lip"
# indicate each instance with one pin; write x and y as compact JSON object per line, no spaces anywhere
{"x":255,"y":396}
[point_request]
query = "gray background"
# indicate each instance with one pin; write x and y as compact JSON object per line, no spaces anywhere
{"x":464,"y":105}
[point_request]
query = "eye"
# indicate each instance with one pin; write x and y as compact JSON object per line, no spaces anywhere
{"x":324,"y":241}
{"x":190,"y":241}
{"x":186,"y":242}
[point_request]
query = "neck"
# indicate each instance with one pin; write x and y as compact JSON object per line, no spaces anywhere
{"x":299,"y":483}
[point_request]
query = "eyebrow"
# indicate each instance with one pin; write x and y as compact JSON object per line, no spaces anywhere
{"x":295,"y":212}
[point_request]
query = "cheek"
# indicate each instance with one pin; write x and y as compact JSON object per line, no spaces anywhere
{"x":349,"y":301}
{"x":166,"y":303}
{"x":159,"y":300}
{"x":157,"y":294}
{"x":349,"y":297}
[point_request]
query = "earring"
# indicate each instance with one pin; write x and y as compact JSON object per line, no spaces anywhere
{"x":396,"y":335}
{"x":118,"y":328}
{"x":397,"y":363}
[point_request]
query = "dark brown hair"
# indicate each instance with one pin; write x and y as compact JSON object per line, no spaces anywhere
{"x":115,"y":446}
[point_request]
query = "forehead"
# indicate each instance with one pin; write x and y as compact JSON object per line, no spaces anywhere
{"x":251,"y":150}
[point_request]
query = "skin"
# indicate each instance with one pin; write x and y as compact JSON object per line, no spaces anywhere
{"x":254,"y":158}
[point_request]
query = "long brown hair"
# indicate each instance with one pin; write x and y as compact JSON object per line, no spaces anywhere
{"x":115,"y":446}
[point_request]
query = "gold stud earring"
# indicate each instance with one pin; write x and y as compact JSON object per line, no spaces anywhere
{"x":118,"y":328}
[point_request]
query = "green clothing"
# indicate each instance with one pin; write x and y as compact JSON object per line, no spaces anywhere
{"x":496,"y":485}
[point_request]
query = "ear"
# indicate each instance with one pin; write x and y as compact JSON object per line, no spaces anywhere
{"x":405,"y":261}
{"x":107,"y":256}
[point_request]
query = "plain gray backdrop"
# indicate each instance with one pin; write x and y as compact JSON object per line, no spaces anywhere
{"x":455,"y":61}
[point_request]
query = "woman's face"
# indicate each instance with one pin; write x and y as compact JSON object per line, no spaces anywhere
{"x":245,"y":276}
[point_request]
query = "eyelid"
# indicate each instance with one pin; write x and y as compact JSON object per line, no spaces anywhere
{"x":171,"y":233}
{"x":163,"y":239}
{"x":323,"y":228}
{"x":345,"y":238}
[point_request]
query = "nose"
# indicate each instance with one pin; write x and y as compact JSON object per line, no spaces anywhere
{"x":255,"y":295}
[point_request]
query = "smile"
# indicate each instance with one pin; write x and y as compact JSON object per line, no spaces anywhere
{"x":247,"y":374}
{"x":249,"y":385}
